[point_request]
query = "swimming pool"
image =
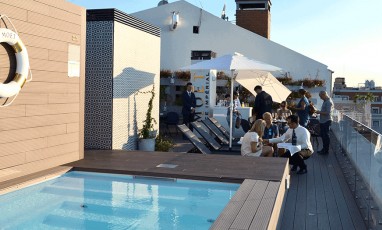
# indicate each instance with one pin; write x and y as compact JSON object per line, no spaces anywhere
{"x":85,"y":200}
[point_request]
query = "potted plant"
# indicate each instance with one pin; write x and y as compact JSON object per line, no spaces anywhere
{"x":163,"y":144}
{"x":147,"y":133}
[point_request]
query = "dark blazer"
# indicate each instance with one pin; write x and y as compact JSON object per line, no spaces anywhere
{"x":188,"y":102}
{"x":263,"y":103}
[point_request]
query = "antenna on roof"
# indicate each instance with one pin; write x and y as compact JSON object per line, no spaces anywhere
{"x":223,"y":16}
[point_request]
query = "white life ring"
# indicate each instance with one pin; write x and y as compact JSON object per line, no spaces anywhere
{"x":13,"y":87}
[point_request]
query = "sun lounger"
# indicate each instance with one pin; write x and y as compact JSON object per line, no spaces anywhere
{"x":200,"y":145}
{"x":216,"y":131}
{"x":220,"y":127}
{"x":194,"y":139}
{"x":204,"y":132}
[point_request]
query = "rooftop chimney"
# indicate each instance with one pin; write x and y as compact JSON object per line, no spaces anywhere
{"x":255,"y":16}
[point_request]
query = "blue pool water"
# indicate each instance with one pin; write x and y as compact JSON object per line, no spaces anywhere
{"x":83,"y":200}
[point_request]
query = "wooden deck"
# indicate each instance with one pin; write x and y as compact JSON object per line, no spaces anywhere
{"x":321,"y":199}
{"x":211,"y":167}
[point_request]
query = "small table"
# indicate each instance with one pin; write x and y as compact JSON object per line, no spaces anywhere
{"x":292,"y":148}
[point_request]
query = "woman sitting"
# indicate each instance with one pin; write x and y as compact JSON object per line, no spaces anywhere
{"x":252,"y":142}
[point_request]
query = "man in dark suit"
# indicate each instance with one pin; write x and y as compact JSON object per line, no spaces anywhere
{"x":189,"y":104}
{"x":263,"y":103}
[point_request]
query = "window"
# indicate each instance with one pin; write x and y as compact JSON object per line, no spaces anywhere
{"x":375,"y":123}
{"x":195,"y":29}
{"x":202,"y":54}
{"x":375,"y":110}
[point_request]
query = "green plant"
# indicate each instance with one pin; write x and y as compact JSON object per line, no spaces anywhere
{"x":163,"y":144}
{"x":148,"y":123}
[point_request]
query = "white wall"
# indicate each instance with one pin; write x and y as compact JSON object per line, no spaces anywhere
{"x":222,"y":37}
{"x":136,"y":67}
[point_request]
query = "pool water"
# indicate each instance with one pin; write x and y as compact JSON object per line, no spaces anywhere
{"x":84,"y":200}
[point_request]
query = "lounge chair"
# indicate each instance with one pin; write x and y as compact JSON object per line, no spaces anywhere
{"x":200,"y":145}
{"x":203,"y":131}
{"x":221,"y":128}
{"x":214,"y":127}
{"x":194,"y":139}
{"x":216,"y":131}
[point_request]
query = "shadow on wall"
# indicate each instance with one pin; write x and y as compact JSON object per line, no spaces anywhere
{"x":125,"y":86}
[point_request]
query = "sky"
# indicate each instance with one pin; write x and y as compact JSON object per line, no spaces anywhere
{"x":344,"y":35}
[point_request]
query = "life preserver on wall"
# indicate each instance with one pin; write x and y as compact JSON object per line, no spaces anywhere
{"x":13,"y":87}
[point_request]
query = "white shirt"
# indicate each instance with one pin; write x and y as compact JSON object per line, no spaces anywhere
{"x":246,"y":149}
{"x":236,"y":104}
{"x":302,"y":134}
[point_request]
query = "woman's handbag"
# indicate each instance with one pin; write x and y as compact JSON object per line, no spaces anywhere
{"x":238,"y":122}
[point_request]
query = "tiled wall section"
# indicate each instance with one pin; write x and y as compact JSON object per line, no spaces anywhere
{"x":136,"y":68}
{"x":99,"y":85}
{"x":43,"y":128}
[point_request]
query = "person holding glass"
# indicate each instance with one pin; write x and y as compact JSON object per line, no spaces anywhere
{"x":252,"y":142}
{"x":301,"y":137}
{"x":282,"y":113}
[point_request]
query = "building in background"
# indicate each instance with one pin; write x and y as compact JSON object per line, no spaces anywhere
{"x":363,"y":103}
{"x":188,"y":31}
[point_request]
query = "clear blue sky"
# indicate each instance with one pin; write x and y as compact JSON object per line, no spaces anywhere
{"x":345,"y":35}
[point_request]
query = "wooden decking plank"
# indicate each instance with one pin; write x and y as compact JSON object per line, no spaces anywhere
{"x":245,"y":189}
{"x":321,"y":209}
{"x":250,"y":207}
{"x":341,"y":203}
{"x":300,"y":212}
{"x":311,"y":204}
{"x":355,"y":214}
{"x":258,"y":190}
{"x":211,"y":167}
{"x":226,"y":218}
{"x":334,"y":217}
{"x":290,"y":204}
{"x":272,"y":190}
{"x":246,"y":214}
{"x":261,"y":219}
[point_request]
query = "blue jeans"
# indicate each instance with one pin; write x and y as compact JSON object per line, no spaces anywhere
{"x":234,"y":116}
{"x":324,"y":128}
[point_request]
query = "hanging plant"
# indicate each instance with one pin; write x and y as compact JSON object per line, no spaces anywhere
{"x":309,"y":83}
{"x":221,"y":76}
{"x":183,"y":75}
{"x":165,"y":73}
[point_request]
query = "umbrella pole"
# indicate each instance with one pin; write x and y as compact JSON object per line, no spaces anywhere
{"x":231,"y":112}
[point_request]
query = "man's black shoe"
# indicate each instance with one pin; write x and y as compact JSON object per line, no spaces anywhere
{"x":294,"y":168}
{"x":322,"y":152}
{"x":302,"y":171}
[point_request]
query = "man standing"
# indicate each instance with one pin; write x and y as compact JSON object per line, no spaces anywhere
{"x":326,"y":119}
{"x":302,"y":137}
{"x":263,"y":102}
{"x":189,"y":104}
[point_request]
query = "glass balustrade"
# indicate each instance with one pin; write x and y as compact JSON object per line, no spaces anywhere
{"x":360,"y":156}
